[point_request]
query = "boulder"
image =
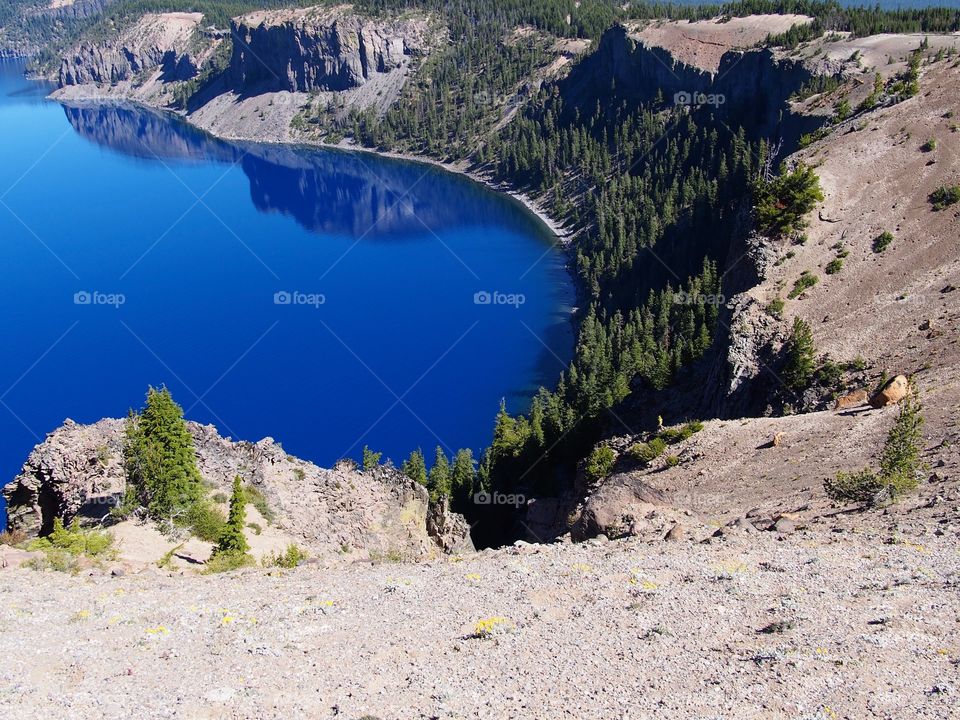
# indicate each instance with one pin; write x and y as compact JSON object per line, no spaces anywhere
{"x":677,"y":532}
{"x":617,"y":508}
{"x":852,"y":400}
{"x":895,"y":390}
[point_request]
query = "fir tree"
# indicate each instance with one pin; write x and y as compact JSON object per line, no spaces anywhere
{"x":232,"y":540}
{"x":415,"y":468}
{"x":800,"y":366}
{"x":371,"y":459}
{"x":159,"y":458}
{"x":439,"y":481}
{"x":461,"y":478}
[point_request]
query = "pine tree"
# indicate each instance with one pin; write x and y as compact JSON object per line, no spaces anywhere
{"x":461,"y":478}
{"x":439,"y":482}
{"x":371,"y":459}
{"x":900,"y":462}
{"x":798,"y":372}
{"x":160,"y":461}
{"x":415,"y":468}
{"x":232,"y":540}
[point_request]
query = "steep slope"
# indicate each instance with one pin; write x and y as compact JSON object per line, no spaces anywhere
{"x":888,"y":312}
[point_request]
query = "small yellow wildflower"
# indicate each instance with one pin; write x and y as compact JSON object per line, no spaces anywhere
{"x":496,"y":625}
{"x":158,"y":630}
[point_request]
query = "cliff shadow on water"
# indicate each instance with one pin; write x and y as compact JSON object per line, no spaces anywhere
{"x":325,"y":190}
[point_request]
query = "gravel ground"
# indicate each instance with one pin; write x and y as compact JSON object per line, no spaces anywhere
{"x":622,"y":629}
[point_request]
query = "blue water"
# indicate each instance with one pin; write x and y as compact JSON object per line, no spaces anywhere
{"x":182,"y":242}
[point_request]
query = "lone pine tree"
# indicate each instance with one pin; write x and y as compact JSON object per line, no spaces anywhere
{"x":232,"y":540}
{"x":159,"y":458}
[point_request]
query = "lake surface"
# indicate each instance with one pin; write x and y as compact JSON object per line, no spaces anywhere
{"x":324,"y":298}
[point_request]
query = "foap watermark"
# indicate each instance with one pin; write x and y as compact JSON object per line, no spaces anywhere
{"x":498,"y":498}
{"x":95,"y":297}
{"x":484,"y":297}
{"x":696,"y":99}
{"x":685,"y":298}
{"x":295,"y":297}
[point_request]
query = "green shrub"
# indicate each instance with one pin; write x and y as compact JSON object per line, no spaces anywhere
{"x":205,"y":521}
{"x":672,"y":460}
{"x":805,"y":281}
{"x":256,"y":498}
{"x":74,"y":540}
{"x":290,"y":558}
{"x":775,"y":308}
{"x":672,"y":436}
{"x":944,"y":196}
{"x":63,"y":547}
{"x":225,"y":562}
{"x":929,"y":146}
{"x":256,"y":527}
{"x":649,"y":451}
{"x":830,"y":374}
{"x":882,"y":241}
{"x":600,"y":462}
{"x":221,"y":498}
{"x":834,"y":266}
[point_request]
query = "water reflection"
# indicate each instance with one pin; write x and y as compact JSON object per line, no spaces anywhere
{"x":327,"y":191}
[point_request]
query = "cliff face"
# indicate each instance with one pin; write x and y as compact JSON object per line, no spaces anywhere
{"x":77,"y":472}
{"x":156,"y":41}
{"x":309,"y":50}
{"x":749,"y":88}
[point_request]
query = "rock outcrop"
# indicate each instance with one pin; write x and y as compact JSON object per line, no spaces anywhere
{"x":163,"y":41}
{"x":749,"y":87}
{"x":77,"y":472}
{"x":319,"y":49}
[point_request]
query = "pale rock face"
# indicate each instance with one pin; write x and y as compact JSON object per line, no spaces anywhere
{"x":156,"y":41}
{"x":78,"y":472}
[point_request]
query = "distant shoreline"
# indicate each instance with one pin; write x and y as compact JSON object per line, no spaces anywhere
{"x":94,"y":94}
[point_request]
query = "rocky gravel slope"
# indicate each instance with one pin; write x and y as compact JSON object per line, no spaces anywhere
{"x":810,"y":625}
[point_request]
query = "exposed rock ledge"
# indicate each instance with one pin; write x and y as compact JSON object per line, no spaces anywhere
{"x":78,"y":472}
{"x":163,"y":42}
{"x":319,"y":49}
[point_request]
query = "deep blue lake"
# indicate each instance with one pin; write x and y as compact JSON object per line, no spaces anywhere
{"x":324,"y":298}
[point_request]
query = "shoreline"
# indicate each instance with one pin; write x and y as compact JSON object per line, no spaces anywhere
{"x":95,"y":94}
{"x":462,"y":167}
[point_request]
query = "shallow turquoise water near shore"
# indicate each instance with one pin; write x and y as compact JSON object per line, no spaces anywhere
{"x":326,"y":299}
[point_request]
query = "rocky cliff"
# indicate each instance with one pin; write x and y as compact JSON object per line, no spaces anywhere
{"x":314,"y":49}
{"x":748,"y":87}
{"x":163,"y":41}
{"x":77,"y":472}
